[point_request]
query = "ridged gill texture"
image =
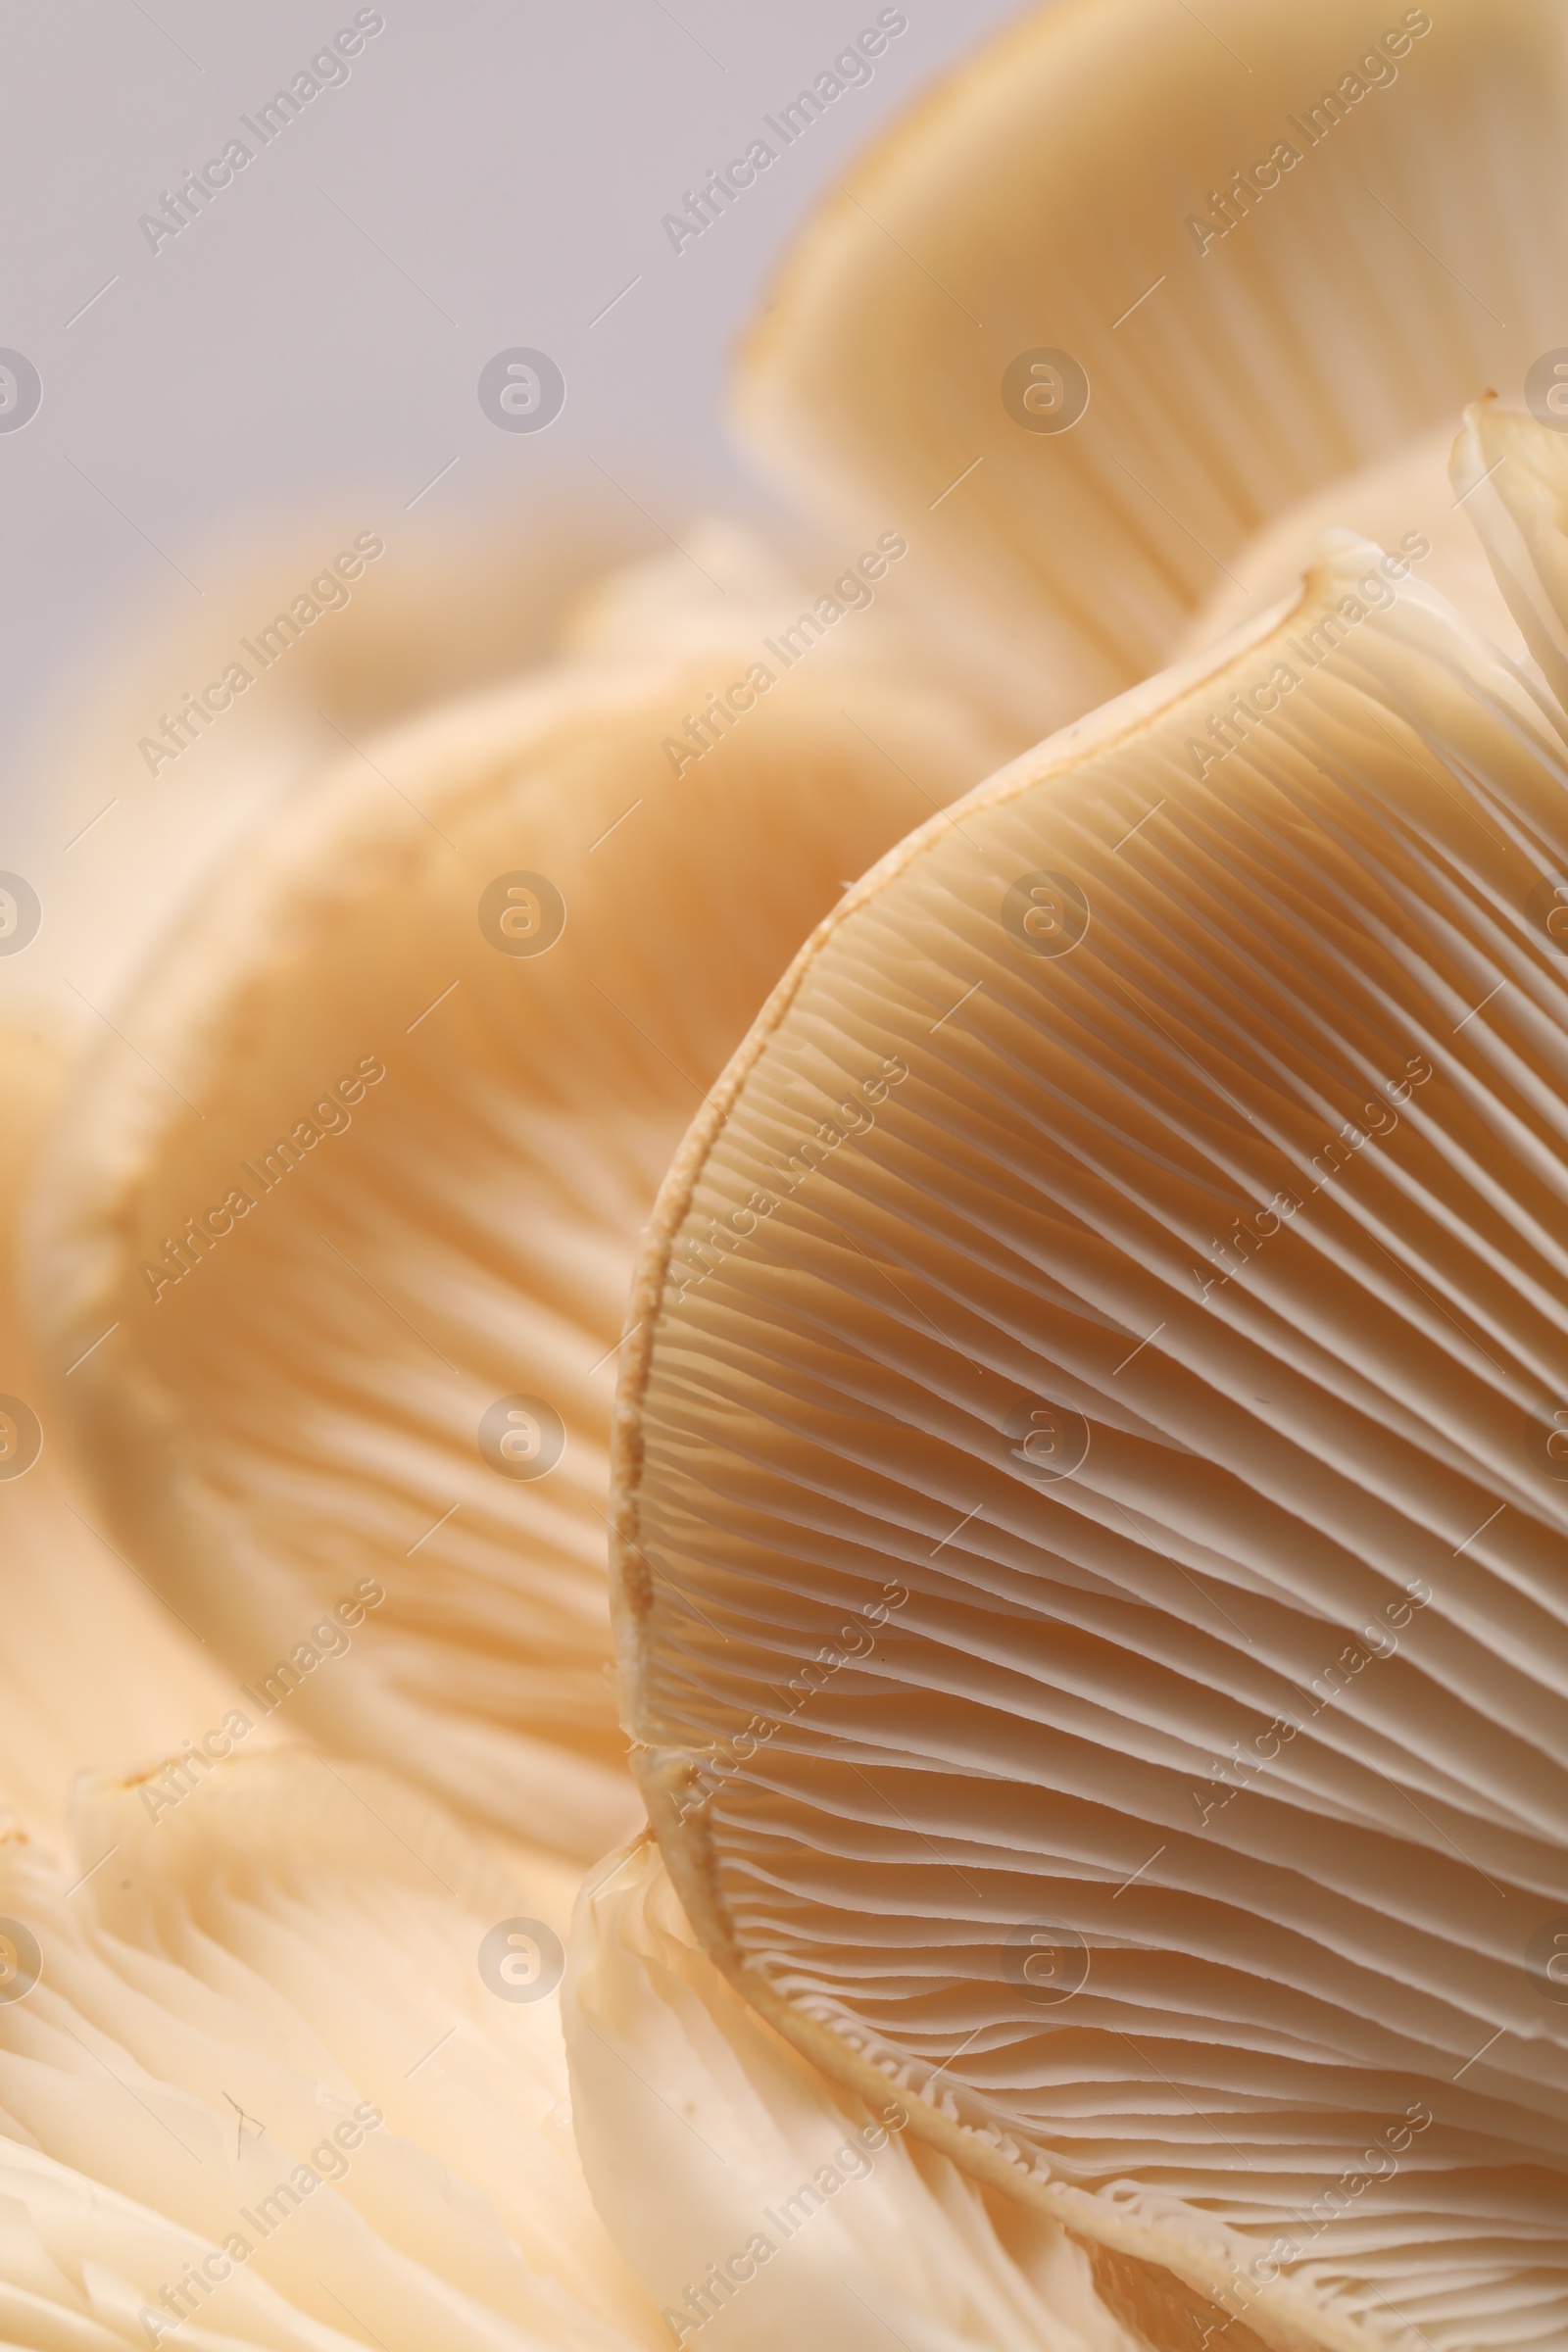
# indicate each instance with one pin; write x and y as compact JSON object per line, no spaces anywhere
{"x":1093,"y":1477}
{"x":256,"y":2093}
{"x":1139,"y":277}
{"x":334,"y":1247}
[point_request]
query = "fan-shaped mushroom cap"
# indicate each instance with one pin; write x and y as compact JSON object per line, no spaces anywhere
{"x":336,"y":1234}
{"x":1395,"y":190}
{"x":1092,"y":1500}
{"x":264,"y":2082}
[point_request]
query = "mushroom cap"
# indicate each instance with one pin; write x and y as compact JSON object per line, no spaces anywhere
{"x":1092,"y":1474}
{"x":1052,"y":206}
{"x":330,"y":1251}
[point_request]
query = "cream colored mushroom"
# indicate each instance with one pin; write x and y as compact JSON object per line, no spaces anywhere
{"x":762,"y":2204}
{"x":1093,"y":1472}
{"x":263,"y":2082}
{"x":331,"y":1253}
{"x":96,"y":1666}
{"x":1138,"y":278}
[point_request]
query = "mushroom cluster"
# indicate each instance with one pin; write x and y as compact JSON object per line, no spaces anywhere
{"x":912,"y":1217}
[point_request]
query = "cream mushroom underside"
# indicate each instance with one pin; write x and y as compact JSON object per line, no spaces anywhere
{"x":1090,"y":1502}
{"x":260,"y":2026}
{"x":95,"y":1668}
{"x":269,"y":2089}
{"x":337,"y":1239}
{"x":1042,"y":201}
{"x":724,"y":2163}
{"x":141,"y":808}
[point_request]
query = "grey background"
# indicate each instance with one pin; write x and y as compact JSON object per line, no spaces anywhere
{"x":307,"y":351}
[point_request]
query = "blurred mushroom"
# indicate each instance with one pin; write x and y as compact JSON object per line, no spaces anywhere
{"x":1135,"y":281}
{"x":262,"y":2082}
{"x":336,"y":1231}
{"x":97,"y":1666}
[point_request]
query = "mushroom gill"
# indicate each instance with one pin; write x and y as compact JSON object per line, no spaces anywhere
{"x":1093,"y":1473}
{"x":1139,"y":277}
{"x":96,"y":1665}
{"x":334,"y":1240}
{"x":262,"y":2084}
{"x":755,"y":2197}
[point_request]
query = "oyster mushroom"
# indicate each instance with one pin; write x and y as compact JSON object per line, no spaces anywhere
{"x":336,"y":1245}
{"x":1093,"y":1473}
{"x":1138,"y":278}
{"x":98,"y":1666}
{"x":283,"y":2068}
{"x":947,"y":1570}
{"x":262,"y":2082}
{"x":757,"y":2198}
